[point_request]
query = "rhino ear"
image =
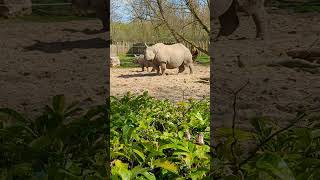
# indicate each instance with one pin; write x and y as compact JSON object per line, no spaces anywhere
{"x":146,"y":44}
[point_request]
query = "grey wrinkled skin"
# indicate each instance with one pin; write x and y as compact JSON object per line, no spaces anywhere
{"x":169,"y":57}
{"x":98,"y":6}
{"x":139,"y":59}
{"x":226,"y":11}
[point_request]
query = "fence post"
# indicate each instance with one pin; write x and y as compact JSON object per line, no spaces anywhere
{"x":117,"y":48}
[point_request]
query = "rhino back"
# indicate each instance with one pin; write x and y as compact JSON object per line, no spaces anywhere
{"x":221,"y":6}
{"x":175,"y":55}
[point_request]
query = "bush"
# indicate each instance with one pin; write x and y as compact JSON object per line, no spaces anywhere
{"x":149,"y":140}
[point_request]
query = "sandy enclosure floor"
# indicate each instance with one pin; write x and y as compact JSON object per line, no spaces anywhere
{"x":278,"y":92}
{"x":40,"y":60}
{"x":172,"y":86}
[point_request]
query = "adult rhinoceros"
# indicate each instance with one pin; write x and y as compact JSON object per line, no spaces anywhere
{"x":98,"y":6}
{"x":226,"y":11}
{"x":169,"y":57}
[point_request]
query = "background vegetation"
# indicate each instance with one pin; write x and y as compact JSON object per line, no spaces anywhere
{"x":127,"y":60}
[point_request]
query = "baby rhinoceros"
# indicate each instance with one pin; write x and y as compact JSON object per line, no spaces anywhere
{"x":139,"y":59}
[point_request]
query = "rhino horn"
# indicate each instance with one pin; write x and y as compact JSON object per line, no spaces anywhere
{"x":146,"y":44}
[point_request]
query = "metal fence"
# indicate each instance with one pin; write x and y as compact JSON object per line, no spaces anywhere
{"x":130,"y":48}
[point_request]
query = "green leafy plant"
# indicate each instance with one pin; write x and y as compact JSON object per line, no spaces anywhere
{"x":148,"y":140}
{"x":62,"y":143}
{"x":148,"y":134}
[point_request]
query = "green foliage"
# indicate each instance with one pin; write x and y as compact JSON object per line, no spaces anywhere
{"x":127,"y":61}
{"x":301,"y":7}
{"x":203,"y":60}
{"x":147,"y":135}
{"x":291,"y":154}
{"x":146,"y":31}
{"x":52,"y":13}
{"x":63,"y":143}
{"x":148,"y":142}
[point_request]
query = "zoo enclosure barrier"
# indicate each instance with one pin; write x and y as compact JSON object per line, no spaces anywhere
{"x":131,"y":48}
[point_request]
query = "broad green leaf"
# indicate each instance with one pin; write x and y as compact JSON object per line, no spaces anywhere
{"x":275,"y":166}
{"x":14,"y":114}
{"x":117,"y":154}
{"x":121,"y":169}
{"x":140,"y":154}
{"x":167,"y":165}
{"x":58,"y":103}
{"x":40,"y":142}
{"x":138,"y":170}
{"x":93,"y":112}
{"x":315,"y":133}
{"x":174,"y":146}
{"x":126,"y":133}
{"x":149,"y":176}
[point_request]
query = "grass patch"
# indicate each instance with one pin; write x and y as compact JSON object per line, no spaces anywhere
{"x":313,"y":6}
{"x":51,"y":13}
{"x":203,"y":60}
{"x":127,"y":61}
{"x":51,"y":18}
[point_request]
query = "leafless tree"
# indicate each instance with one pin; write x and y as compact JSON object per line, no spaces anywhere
{"x":180,"y":17}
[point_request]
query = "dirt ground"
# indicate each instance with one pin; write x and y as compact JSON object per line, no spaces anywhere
{"x":39,"y":60}
{"x":278,"y":92}
{"x":174,"y":86}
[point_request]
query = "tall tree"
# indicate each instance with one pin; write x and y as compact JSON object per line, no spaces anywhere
{"x":180,"y":17}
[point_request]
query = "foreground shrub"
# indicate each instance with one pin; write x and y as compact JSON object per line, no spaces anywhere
{"x":153,"y":139}
{"x":148,"y":138}
{"x":64,"y":142}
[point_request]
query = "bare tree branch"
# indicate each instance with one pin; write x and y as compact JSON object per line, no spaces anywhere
{"x":194,"y":13}
{"x":174,"y":33}
{"x":192,"y":44}
{"x":235,"y":140}
{"x":166,"y":22}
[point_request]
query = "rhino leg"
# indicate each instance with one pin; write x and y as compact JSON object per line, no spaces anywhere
{"x":261,"y":21}
{"x":191,"y":68}
{"x":181,"y":68}
{"x":157,"y":69}
{"x":163,"y":68}
{"x":229,"y":21}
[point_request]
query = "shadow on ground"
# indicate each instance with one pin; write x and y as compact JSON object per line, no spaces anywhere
{"x":137,"y":75}
{"x":85,"y":31}
{"x":57,"y":47}
{"x":148,"y":75}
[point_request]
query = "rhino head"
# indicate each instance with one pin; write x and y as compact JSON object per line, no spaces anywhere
{"x":149,"y":53}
